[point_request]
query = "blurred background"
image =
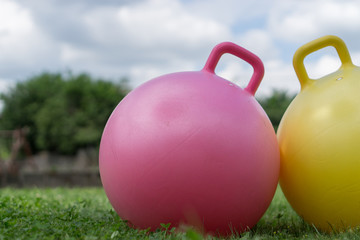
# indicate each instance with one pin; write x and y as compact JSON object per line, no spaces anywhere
{"x":64,"y":66}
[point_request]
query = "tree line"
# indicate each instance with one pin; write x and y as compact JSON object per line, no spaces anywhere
{"x":275,"y":105}
{"x":66,"y":112}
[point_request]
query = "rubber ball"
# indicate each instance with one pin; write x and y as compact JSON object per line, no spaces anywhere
{"x":319,"y":138}
{"x":192,"y":148}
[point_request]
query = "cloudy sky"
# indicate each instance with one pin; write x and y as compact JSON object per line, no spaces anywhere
{"x":142,"y":39}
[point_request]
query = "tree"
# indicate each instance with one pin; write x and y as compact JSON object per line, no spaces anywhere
{"x":275,"y":105}
{"x":64,"y":112}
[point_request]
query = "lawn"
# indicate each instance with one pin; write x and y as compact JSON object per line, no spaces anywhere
{"x":84,"y":213}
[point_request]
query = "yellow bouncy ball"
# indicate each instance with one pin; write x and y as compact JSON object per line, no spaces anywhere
{"x":319,"y":138}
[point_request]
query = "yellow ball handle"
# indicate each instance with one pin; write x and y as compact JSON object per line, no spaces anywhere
{"x":317,"y":44}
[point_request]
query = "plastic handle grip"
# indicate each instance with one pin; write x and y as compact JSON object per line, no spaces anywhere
{"x":249,"y":57}
{"x":317,"y":44}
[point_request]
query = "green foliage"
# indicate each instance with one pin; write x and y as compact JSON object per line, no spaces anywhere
{"x":275,"y":105}
{"x":5,"y":149}
{"x":63,"y":112}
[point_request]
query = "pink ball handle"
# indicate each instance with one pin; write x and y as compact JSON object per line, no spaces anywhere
{"x":240,"y":52}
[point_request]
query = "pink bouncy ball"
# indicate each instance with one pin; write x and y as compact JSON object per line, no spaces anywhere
{"x":193,"y":148}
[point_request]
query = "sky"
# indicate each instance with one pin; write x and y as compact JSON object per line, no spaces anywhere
{"x":143,"y":39}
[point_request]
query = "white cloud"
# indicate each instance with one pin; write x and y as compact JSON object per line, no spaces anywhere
{"x":23,"y":46}
{"x":278,"y":75}
{"x":70,"y":54}
{"x":155,"y":37}
{"x":229,"y":12}
{"x":147,"y":38}
{"x":156,"y":23}
{"x":235,"y":70}
{"x":5,"y":84}
{"x":153,"y":24}
{"x":107,"y":40}
{"x":261,"y":43}
{"x":15,"y":27}
{"x":18,"y":19}
{"x":299,"y":22}
{"x":144,"y":72}
{"x":325,"y":65}
{"x":355,"y":57}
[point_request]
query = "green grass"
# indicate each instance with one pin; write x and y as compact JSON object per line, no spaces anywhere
{"x":86,"y":214}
